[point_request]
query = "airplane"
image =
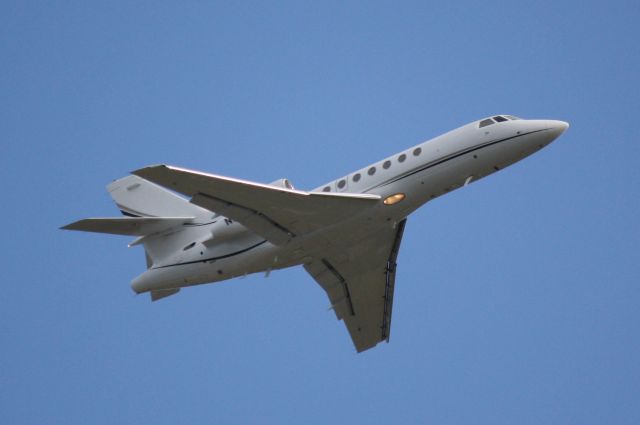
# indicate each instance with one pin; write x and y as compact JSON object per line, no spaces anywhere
{"x":345,"y":233}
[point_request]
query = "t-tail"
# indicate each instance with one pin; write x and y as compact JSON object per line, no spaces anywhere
{"x":150,"y":212}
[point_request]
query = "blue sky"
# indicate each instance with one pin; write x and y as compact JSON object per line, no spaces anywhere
{"x":517,"y":298}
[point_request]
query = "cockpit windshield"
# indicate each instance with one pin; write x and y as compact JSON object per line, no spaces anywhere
{"x":497,"y":118}
{"x":486,"y":122}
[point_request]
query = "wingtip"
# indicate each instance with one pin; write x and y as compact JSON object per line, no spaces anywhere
{"x":141,"y":172}
{"x":69,"y":226}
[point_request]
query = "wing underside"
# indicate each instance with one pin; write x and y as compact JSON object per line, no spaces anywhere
{"x":360,"y":281}
{"x":276,"y":213}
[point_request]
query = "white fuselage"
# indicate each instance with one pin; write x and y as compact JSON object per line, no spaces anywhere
{"x":420,"y":173}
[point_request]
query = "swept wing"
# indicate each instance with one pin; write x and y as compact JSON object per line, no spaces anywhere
{"x":358,"y":276}
{"x":275,"y":213}
{"x":359,"y":280}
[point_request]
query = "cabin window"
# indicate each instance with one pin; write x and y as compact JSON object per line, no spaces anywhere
{"x":342,"y":183}
{"x":371,"y":171}
{"x":402,"y":157}
{"x":386,"y":164}
{"x":500,"y":119}
{"x":486,"y":122}
{"x":417,"y":151}
{"x":326,"y":189}
{"x":356,"y":177}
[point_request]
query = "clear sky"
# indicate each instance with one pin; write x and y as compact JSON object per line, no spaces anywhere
{"x":517,"y":298}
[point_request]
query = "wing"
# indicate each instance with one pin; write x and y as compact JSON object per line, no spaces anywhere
{"x":278,"y":214}
{"x":359,"y":280}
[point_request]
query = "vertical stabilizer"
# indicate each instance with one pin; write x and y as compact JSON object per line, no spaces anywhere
{"x":138,"y":197}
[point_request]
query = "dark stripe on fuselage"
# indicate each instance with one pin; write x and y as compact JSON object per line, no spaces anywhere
{"x":450,"y":157}
{"x":131,"y":212}
{"x":128,"y":214}
{"x":220,"y":257}
{"x":199,"y":224}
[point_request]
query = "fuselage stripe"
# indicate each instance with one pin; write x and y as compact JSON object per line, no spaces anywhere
{"x":220,"y":257}
{"x":449,"y":157}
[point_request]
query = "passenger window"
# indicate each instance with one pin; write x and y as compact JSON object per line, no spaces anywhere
{"x":417,"y":151}
{"x":326,"y":189}
{"x":402,"y":157}
{"x":486,"y":122}
{"x":386,"y":164}
{"x":341,"y":183}
{"x":500,"y":119}
{"x":356,"y":177}
{"x":371,"y":171}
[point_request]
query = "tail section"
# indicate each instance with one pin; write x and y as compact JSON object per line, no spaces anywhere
{"x":137,"y":197}
{"x":130,"y":226}
{"x":163,"y":222}
{"x":151,"y":211}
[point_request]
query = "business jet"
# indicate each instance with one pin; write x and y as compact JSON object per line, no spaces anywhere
{"x":345,"y":233}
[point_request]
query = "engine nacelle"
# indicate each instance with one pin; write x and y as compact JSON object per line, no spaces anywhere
{"x":284,"y":183}
{"x":224,"y":229}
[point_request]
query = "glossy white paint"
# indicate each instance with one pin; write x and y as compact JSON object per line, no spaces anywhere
{"x":356,"y":232}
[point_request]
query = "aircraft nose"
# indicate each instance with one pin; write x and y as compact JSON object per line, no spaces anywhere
{"x":557,"y":128}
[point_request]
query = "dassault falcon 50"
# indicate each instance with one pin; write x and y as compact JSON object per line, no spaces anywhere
{"x":345,"y":233}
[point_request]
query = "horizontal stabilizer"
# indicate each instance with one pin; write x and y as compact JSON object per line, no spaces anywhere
{"x":276,"y":213}
{"x":130,"y":226}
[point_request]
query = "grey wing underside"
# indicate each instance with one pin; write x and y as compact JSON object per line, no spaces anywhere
{"x":277,"y":214}
{"x":360,"y":281}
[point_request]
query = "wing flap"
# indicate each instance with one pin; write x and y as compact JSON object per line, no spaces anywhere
{"x":130,"y":226}
{"x":254,"y":220}
{"x":334,"y":285}
{"x":275,"y":213}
